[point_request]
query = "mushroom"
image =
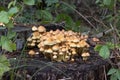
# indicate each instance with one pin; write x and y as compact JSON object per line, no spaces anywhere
{"x":55,"y":48}
{"x":31,"y":52}
{"x":34,"y":28}
{"x":59,"y":45}
{"x":95,"y":39}
{"x":29,"y":39}
{"x":72,"y":45}
{"x":61,"y":53}
{"x":49,"y":50}
{"x":85,"y":55}
{"x":32,"y":44}
{"x":54,"y":56}
{"x":55,"y":53}
{"x":72,"y":59}
{"x":41,"y":29}
{"x":41,"y":49}
{"x":35,"y":34}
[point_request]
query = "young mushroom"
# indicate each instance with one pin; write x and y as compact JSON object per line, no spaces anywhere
{"x":31,"y":52}
{"x":85,"y":55}
{"x":41,"y":29}
{"x":34,"y":28}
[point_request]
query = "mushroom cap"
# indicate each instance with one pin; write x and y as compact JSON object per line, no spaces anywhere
{"x":63,"y":49}
{"x":83,"y":43}
{"x":95,"y":39}
{"x":33,"y":37}
{"x":75,"y":40}
{"x":61,"y":53}
{"x":74,"y":52}
{"x":54,"y":56}
{"x":73,"y":45}
{"x":49,"y":42}
{"x":67,"y":57}
{"x":29,"y":39}
{"x":41,"y":49}
{"x":33,"y":41}
{"x":37,"y":53}
{"x":36,"y":34}
{"x":55,"y":47}
{"x":85,"y":54}
{"x":41,"y":29}
{"x":32,"y":44}
{"x":34,"y":28}
{"x":72,"y":59}
{"x":31,"y":52}
{"x":55,"y":53}
{"x":49,"y":50}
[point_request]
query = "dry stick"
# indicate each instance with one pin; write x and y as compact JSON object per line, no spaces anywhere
{"x":80,"y":14}
{"x":105,"y":73}
{"x":101,"y":34}
{"x":101,"y":22}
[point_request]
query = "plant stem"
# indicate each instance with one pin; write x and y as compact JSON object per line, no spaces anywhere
{"x":115,"y":23}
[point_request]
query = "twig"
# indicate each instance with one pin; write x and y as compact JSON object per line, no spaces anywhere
{"x":105,"y":73}
{"x":101,"y":22}
{"x":101,"y":34}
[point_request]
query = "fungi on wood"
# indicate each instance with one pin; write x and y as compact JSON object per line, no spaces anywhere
{"x":59,"y":45}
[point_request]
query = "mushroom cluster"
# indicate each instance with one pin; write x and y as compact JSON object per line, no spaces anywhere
{"x":59,"y":45}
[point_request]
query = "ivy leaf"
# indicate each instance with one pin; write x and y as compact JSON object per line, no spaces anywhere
{"x":104,"y":52}
{"x":111,"y":71}
{"x":13,"y":10}
{"x":50,"y":2}
{"x":4,"y":65}
{"x":4,"y":18}
{"x":29,"y":2}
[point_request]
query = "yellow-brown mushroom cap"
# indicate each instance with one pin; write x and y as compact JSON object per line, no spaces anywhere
{"x":31,"y":52}
{"x":85,"y":54}
{"x":41,"y":29}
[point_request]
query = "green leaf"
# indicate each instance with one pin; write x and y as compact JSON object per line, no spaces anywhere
{"x":4,"y":65}
{"x":29,"y":2}
{"x":4,"y":18}
{"x":11,"y":34}
{"x":113,"y":77}
{"x":50,"y":2}
{"x":46,"y":15}
{"x":7,"y":44}
{"x":97,"y":1}
{"x":70,"y":24}
{"x":111,"y":71}
{"x":106,"y":2}
{"x":13,"y":10}
{"x":97,"y":47}
{"x":9,"y":24}
{"x":104,"y":52}
{"x":118,"y":74}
